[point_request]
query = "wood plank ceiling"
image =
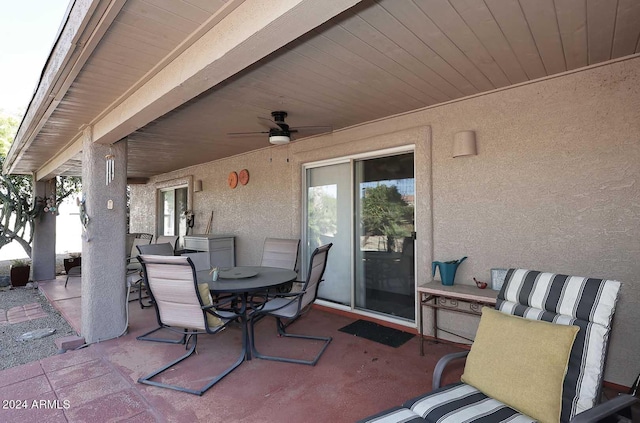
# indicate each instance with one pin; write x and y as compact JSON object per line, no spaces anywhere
{"x":380,"y":58}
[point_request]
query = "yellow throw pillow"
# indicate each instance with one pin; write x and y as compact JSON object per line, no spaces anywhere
{"x":521,"y":363}
{"x":214,"y":321}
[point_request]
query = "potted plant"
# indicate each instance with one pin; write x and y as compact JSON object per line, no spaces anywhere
{"x":20,"y":271}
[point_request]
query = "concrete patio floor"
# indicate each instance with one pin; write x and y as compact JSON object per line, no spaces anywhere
{"x":354,"y":378}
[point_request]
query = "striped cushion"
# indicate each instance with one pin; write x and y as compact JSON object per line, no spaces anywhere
{"x":394,"y":415}
{"x":463,"y":403}
{"x":452,"y":404}
{"x":568,"y":300}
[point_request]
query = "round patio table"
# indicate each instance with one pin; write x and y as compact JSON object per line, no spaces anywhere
{"x":264,"y":278}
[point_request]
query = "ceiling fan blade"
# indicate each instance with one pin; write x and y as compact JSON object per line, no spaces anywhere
{"x":268,"y":122}
{"x":278,"y":128}
{"x":304,"y":128}
{"x":248,"y":133}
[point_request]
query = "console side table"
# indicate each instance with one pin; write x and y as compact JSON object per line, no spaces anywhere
{"x":435,"y":295}
{"x":221,"y":248}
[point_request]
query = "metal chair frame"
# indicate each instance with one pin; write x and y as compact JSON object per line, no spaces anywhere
{"x":189,"y":335}
{"x":133,"y":266}
{"x":281,"y":325}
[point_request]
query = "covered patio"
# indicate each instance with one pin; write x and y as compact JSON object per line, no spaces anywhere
{"x":354,"y":378}
{"x":187,"y":100}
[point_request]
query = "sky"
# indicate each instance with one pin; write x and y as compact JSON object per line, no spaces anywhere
{"x":28,"y":29}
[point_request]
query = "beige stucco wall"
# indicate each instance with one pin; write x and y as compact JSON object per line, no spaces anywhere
{"x":554,"y":187}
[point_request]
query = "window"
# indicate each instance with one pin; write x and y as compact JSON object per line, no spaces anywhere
{"x":173,"y":204}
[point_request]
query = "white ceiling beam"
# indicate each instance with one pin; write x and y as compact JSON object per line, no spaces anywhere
{"x":50,"y":168}
{"x":87,"y":23}
{"x":252,"y":31}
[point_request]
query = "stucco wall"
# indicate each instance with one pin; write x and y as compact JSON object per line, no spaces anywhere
{"x":262,"y":208}
{"x":553,"y":187}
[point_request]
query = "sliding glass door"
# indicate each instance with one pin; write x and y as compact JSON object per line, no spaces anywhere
{"x":329,"y":220}
{"x":384,"y":235}
{"x":365,"y":207}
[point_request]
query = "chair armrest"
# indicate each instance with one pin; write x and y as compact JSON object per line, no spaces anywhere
{"x":211,"y":309}
{"x":220,"y":301}
{"x":442,"y":364}
{"x":266,"y":295}
{"x":133,"y":264}
{"x":605,"y":409}
{"x":290,"y":295}
{"x":258,"y":308}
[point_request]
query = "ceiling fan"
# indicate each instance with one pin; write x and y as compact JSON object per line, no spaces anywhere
{"x":279,"y":131}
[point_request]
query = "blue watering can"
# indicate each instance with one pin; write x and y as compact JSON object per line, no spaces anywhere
{"x":447,"y":270}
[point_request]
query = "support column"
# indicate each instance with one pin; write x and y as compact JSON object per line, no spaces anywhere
{"x":103,"y":244}
{"x":43,"y":253}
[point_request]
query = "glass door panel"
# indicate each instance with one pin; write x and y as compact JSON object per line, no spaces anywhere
{"x":181,"y":207}
{"x":384,"y":235}
{"x":168,"y":212}
{"x":174,"y":204}
{"x":329,"y":220}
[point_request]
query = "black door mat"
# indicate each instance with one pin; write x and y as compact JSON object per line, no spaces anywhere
{"x":377,"y":333}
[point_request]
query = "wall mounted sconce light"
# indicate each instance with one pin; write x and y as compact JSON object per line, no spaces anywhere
{"x":197,"y":186}
{"x":464,"y":144}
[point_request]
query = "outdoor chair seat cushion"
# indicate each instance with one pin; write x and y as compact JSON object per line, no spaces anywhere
{"x":451,"y":404}
{"x":283,"y":307}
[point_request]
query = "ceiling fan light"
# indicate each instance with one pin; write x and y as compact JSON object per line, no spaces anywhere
{"x":279,"y":139}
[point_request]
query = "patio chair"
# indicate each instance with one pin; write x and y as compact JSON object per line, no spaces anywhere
{"x":201,"y":261}
{"x":164,"y":249}
{"x":132,"y":260}
{"x":290,"y":306}
{"x":279,"y":252}
{"x":134,"y":269}
{"x":130,"y":237}
{"x":539,"y":356}
{"x":172,"y":240}
{"x":183,"y":306}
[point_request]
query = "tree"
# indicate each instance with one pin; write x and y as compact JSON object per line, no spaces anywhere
{"x":386,"y":213}
{"x":8,"y":127}
{"x":322,"y":218}
{"x":18,"y":208}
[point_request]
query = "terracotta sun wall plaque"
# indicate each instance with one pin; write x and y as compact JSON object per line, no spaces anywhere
{"x":243,"y":177}
{"x":232,"y":180}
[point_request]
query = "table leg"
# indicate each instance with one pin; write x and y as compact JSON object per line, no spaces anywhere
{"x":420,"y":323}
{"x":435,"y":319}
{"x":245,"y":330}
